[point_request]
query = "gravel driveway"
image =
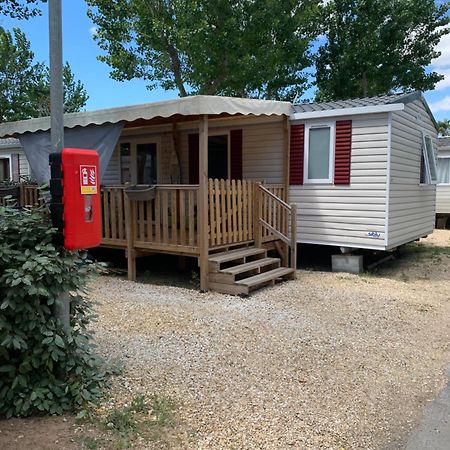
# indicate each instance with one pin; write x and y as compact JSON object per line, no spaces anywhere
{"x":329,"y":361}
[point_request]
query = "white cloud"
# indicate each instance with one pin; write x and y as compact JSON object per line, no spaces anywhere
{"x":444,"y":47}
{"x":441,"y":105}
{"x":445,"y":83}
{"x":93,"y":31}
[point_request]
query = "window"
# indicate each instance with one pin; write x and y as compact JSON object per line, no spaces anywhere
{"x":125,"y":163}
{"x":218,"y":157}
{"x":146,"y":163}
{"x":443,"y":170}
{"x":428,"y":169}
{"x":5,"y":169}
{"x":319,"y":154}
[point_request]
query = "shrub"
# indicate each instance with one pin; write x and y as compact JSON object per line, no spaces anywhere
{"x":42,"y":369}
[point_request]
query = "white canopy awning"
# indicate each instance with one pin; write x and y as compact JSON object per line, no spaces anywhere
{"x":186,"y":106}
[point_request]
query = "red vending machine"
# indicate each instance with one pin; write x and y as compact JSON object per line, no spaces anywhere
{"x":76,"y":205}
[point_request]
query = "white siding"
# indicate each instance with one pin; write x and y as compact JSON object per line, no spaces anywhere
{"x":411,"y":205}
{"x":112,"y":174}
{"x":348,"y":215}
{"x":443,"y":199}
{"x":443,"y":192}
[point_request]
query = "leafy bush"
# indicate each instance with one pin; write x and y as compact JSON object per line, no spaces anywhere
{"x":42,"y":369}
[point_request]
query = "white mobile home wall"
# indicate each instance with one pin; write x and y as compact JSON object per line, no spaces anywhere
{"x":443,"y":190}
{"x":353,"y":215}
{"x":411,"y":205}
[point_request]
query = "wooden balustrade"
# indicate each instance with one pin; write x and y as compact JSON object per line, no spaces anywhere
{"x":276,"y":220}
{"x":30,"y":195}
{"x":113,"y":216}
{"x":169,"y":221}
{"x":230,"y":214}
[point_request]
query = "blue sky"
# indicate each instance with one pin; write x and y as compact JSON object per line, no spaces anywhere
{"x":80,"y":49}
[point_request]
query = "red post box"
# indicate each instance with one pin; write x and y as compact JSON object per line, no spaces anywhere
{"x":76,"y":205}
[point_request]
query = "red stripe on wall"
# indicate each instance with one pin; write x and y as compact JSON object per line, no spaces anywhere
{"x":193,"y":146}
{"x":236,"y":154}
{"x":342,"y":152}
{"x":296,"y":154}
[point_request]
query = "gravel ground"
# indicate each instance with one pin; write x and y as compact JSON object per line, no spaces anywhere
{"x":329,"y":361}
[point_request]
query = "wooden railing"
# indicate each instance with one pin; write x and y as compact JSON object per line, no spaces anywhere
{"x":30,"y":195}
{"x":113,"y":216}
{"x":276,"y":220}
{"x":230,"y":215}
{"x":169,"y":221}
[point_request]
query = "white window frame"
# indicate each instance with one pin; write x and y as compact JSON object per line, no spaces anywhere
{"x":438,"y":158}
{"x":428,"y":179}
{"x":8,"y":157}
{"x":329,"y":180}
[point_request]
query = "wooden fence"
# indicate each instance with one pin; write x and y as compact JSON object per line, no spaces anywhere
{"x":230,"y":211}
{"x":167,"y":222}
{"x":29,"y":195}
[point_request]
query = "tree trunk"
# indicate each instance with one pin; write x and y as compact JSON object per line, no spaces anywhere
{"x":364,"y":84}
{"x":176,"y":69}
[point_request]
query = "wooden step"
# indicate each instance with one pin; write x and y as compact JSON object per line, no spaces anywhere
{"x":230,"y":274}
{"x":241,"y":268}
{"x":235,"y":254}
{"x":265,"y":277}
{"x":234,"y":257}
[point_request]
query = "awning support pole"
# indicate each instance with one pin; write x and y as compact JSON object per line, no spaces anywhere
{"x":203,"y":234}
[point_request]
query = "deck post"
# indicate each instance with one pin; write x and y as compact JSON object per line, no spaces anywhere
{"x":203,"y":235}
{"x":129,"y":230}
{"x":294,"y":238}
{"x":257,"y":215}
{"x":286,"y":143}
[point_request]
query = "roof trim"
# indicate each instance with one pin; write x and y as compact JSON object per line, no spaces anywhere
{"x":186,"y":106}
{"x":347,"y":111}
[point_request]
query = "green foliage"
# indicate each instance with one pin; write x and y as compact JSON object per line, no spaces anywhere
{"x":25,"y":84}
{"x":20,"y":9}
{"x":215,"y":47}
{"x":43,"y":369}
{"x":374,"y":47}
{"x":444,"y":127}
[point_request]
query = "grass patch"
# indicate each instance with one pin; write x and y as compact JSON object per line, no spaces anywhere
{"x":149,"y":421}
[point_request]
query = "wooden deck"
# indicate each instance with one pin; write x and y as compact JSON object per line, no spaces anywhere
{"x":240,"y":213}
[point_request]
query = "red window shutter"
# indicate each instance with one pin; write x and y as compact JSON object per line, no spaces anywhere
{"x":296,"y":154}
{"x":236,"y":154}
{"x":15,"y":166}
{"x":193,"y":146}
{"x":343,"y":150}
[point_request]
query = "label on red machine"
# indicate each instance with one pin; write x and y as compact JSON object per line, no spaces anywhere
{"x":88,"y":180}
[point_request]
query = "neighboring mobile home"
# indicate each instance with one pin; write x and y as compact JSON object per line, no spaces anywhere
{"x":443,"y":187}
{"x":353,"y":174}
{"x":13,"y":162}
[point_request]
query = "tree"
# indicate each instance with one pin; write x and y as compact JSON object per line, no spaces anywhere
{"x":444,"y":127}
{"x":374,"y":47}
{"x":25,"y":84}
{"x":20,"y":9}
{"x":220,"y":47}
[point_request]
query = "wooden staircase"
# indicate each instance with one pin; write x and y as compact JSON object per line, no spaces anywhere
{"x":240,"y":271}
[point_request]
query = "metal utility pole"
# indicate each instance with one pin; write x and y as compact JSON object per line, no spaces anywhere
{"x":62,"y":311}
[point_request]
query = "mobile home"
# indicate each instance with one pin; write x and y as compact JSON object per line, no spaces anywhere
{"x":235,"y":177}
{"x":443,"y":187}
